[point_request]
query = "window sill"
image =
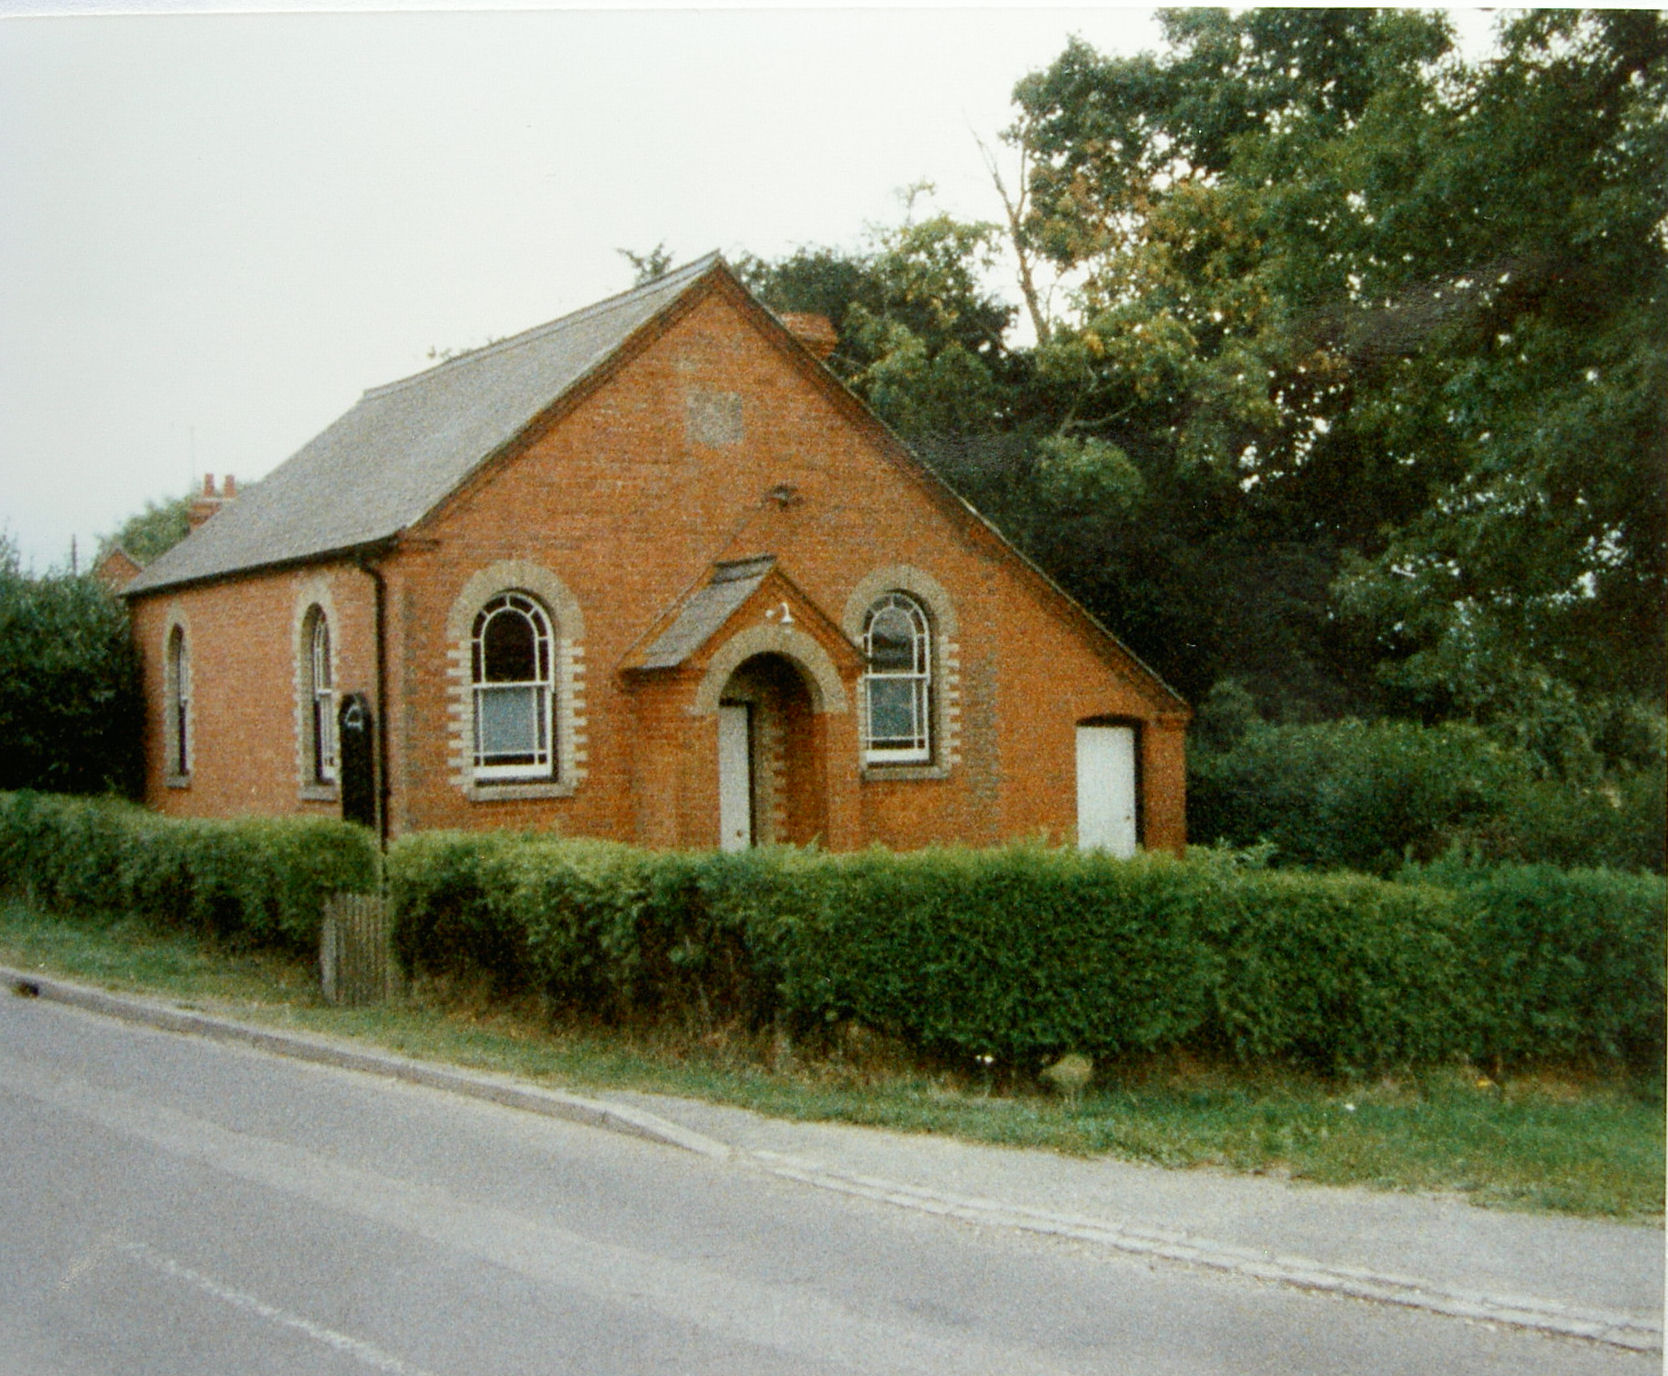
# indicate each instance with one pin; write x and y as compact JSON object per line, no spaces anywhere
{"x":320,"y":793}
{"x":886,"y":773}
{"x":513,"y":792}
{"x":177,"y":781}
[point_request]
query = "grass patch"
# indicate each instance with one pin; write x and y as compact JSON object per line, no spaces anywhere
{"x":1579,"y":1144}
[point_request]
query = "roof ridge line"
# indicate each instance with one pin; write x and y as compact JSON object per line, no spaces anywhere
{"x":535,"y":332}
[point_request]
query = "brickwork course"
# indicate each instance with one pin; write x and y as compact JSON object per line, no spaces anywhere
{"x":702,"y":515}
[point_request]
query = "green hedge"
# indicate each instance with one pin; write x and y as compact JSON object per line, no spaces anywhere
{"x":596,"y":926}
{"x":1021,"y":954}
{"x":1012,"y":955}
{"x":1567,"y":963}
{"x":264,"y":879}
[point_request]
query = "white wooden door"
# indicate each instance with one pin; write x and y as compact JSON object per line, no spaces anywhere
{"x":735,"y":776}
{"x":1106,"y":794}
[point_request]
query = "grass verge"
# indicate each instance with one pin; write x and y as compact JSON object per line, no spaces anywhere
{"x":1564,"y":1143}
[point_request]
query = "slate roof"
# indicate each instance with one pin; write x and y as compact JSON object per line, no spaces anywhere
{"x":398,"y":453}
{"x":706,"y":611}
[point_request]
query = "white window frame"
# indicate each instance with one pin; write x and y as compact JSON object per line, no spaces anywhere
{"x":542,"y":764}
{"x":321,"y":700}
{"x":917,"y":746}
{"x":177,"y":672}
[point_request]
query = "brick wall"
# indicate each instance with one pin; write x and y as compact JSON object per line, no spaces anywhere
{"x":246,"y":648}
{"x":712,"y":442}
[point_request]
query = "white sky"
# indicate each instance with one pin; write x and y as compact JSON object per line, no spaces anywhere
{"x":217,"y":229}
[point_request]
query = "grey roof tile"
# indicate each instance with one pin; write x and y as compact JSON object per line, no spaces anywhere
{"x":706,"y":611}
{"x":398,"y":453}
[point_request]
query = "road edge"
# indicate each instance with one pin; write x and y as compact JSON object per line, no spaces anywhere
{"x":308,"y":1046}
{"x":1607,"y":1327}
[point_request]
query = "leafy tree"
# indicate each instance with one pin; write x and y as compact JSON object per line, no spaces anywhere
{"x":1539,"y":569}
{"x":70,"y":713}
{"x":651,"y":266}
{"x":921,"y":335}
{"x":155,"y":530}
{"x":1380,"y":330}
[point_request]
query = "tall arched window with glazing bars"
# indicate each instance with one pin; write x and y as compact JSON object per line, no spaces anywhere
{"x":321,"y":699}
{"x":897,"y":685}
{"x":513,"y":678}
{"x":177,"y":668}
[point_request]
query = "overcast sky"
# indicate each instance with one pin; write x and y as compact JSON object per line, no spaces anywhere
{"x":216,"y":230}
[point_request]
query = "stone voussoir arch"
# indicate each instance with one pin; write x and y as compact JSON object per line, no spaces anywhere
{"x":828,"y":694}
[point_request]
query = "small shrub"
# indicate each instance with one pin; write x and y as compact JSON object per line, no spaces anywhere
{"x":1370,"y":796}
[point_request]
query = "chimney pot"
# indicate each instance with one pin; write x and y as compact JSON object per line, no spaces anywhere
{"x":210,"y":501}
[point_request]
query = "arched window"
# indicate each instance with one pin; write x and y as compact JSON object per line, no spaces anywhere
{"x":320,"y":682}
{"x":897,"y":687}
{"x":177,"y":673}
{"x":511,"y":670}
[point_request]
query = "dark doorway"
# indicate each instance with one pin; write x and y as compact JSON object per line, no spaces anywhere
{"x":356,"y":738}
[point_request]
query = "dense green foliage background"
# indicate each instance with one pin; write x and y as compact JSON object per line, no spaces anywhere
{"x":1348,"y":389}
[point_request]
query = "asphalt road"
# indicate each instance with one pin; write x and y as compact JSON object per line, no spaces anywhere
{"x":169,"y":1205}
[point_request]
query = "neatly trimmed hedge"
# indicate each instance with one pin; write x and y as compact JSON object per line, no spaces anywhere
{"x":1015,"y":955}
{"x":597,"y":926}
{"x":1023,"y":953}
{"x":1568,"y":963}
{"x":264,"y":879}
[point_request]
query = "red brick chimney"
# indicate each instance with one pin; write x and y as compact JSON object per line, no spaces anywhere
{"x":209,"y":501}
{"x":815,"y":332}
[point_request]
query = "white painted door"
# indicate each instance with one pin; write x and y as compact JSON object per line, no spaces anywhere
{"x":1106,"y":797}
{"x":735,"y":776}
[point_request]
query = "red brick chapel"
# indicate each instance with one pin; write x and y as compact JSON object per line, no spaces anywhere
{"x":647,"y":572}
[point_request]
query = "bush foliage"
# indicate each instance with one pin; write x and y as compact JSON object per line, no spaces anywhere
{"x":1014,"y":956}
{"x":70,"y":715}
{"x":1370,"y":796}
{"x":259,"y":879}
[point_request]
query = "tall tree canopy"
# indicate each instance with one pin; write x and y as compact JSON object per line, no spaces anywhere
{"x":921,"y":336}
{"x":1372,"y":346}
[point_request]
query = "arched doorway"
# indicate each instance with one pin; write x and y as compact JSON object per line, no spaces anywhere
{"x":770,"y":778}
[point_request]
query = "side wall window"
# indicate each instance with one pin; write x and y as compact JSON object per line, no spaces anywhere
{"x":319,"y":682}
{"x":897,"y":685}
{"x":177,"y":697}
{"x":512,"y":674}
